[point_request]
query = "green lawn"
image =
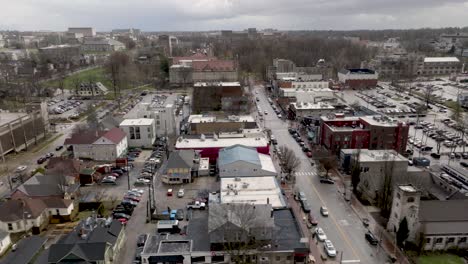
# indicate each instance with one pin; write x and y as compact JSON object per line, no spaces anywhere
{"x":95,"y":75}
{"x":440,"y":259}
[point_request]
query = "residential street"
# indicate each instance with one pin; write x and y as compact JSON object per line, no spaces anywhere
{"x":343,"y":227}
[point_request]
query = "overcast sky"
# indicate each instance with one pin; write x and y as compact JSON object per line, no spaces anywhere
{"x":193,"y":15}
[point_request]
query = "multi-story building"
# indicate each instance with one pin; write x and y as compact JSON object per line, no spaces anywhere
{"x":18,"y":131}
{"x":441,"y":223}
{"x":102,"y":45}
{"x":395,"y":66}
{"x":358,"y":78}
{"x":61,"y":53}
{"x":99,"y":144}
{"x":210,"y":145}
{"x":225,"y":96}
{"x":369,"y":132}
{"x":203,"y":124}
{"x":376,"y":165}
{"x":141,"y":132}
{"x":85,"y":31}
{"x":299,"y":110}
{"x":440,"y":66}
{"x":212,"y":236}
{"x":162,"y":110}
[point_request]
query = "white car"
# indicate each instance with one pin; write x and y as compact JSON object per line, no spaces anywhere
{"x":329,"y":248}
{"x":21,"y":168}
{"x":324,"y":211}
{"x":140,"y":191}
{"x":320,"y":234}
{"x":279,"y":115}
{"x":180,"y":193}
{"x":142,"y":181}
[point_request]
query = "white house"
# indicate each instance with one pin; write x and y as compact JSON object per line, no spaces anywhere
{"x":141,"y":132}
{"x":5,"y":241}
{"x":99,"y":145}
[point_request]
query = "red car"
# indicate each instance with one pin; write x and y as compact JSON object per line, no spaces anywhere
{"x":312,"y":219}
{"x":133,"y":198}
{"x":309,"y":154}
{"x":123,"y":221}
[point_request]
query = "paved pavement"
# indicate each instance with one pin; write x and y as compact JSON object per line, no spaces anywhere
{"x":343,"y":227}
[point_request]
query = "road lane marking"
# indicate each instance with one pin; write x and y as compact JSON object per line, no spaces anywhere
{"x":340,"y":230}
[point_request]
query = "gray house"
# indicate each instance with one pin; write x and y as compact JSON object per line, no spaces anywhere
{"x":94,"y":240}
{"x":181,"y":167}
{"x":242,"y":161}
{"x":240,"y":223}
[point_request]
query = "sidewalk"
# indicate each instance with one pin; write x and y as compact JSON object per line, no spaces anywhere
{"x":387,"y":240}
{"x":301,"y":219}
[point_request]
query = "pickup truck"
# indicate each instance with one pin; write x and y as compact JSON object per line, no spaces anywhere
{"x":196,"y":205}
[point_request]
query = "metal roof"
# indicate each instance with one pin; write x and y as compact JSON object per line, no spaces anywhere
{"x":236,"y":153}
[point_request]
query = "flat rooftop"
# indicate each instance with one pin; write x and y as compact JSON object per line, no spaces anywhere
{"x":6,"y":118}
{"x":441,"y":59}
{"x":380,"y":155}
{"x":137,"y":122}
{"x":196,"y":143}
{"x":252,"y":190}
{"x":195,"y":119}
{"x":222,"y":84}
{"x":171,"y":246}
{"x":312,"y":106}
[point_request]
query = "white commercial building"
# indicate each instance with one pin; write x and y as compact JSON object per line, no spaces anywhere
{"x":306,"y":109}
{"x":141,"y":132}
{"x":440,"y":66}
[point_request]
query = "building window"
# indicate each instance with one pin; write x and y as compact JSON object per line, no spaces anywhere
{"x":137,"y":133}
{"x":450,"y":240}
{"x":288,"y":258}
{"x":398,"y":196}
{"x":278,"y":258}
{"x":428,"y":240}
{"x":462,"y":240}
{"x":396,"y":215}
{"x":149,"y":130}
{"x":10,"y":227}
{"x":132,"y":132}
{"x":438,"y":240}
{"x":410,"y":199}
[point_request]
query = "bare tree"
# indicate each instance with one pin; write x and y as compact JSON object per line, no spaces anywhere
{"x":115,"y":67}
{"x":289,"y":162}
{"x":328,"y":163}
{"x":384,"y":195}
{"x":91,"y":118}
{"x":428,"y":94}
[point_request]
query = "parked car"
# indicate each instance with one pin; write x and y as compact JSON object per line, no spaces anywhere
{"x":329,"y":248}
{"x":169,"y":192}
{"x":196,"y":205}
{"x":435,"y":155}
{"x":106,"y":180}
{"x":21,"y":168}
{"x":133,"y":198}
{"x":371,"y":238}
{"x":180,"y":214}
{"x":142,"y":181}
{"x":464,"y":164}
{"x":121,"y":215}
{"x":59,"y":148}
{"x":305,"y":206}
{"x":312,"y":220}
{"x":324,"y":210}
{"x":41,"y":160}
{"x":141,"y":240}
{"x":300,"y":196}
{"x":128,"y":202}
{"x":320,"y":234}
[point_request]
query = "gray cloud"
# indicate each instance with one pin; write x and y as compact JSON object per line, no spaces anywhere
{"x":232,"y":14}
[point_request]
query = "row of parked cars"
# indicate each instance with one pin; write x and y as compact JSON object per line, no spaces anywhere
{"x":115,"y":173}
{"x":297,"y":137}
{"x":124,"y":210}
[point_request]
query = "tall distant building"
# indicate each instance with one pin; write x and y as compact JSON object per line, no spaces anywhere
{"x":86,"y":31}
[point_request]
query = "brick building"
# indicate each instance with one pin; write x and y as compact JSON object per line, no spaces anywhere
{"x":363,"y":132}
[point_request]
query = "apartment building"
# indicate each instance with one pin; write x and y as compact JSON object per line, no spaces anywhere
{"x":440,"y":66}
{"x":141,"y":132}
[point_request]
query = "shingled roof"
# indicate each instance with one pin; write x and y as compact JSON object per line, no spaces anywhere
{"x":13,"y":210}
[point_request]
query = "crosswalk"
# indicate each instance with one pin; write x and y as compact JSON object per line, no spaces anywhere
{"x":305,"y":173}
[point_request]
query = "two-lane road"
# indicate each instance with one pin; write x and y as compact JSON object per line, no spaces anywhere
{"x":343,"y":227}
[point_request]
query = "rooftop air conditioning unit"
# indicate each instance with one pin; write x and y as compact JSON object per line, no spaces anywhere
{"x":237,"y":179}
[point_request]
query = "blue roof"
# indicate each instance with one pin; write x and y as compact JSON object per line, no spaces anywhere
{"x":238,"y":153}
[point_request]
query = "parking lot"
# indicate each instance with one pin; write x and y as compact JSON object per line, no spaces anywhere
{"x":425,"y":130}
